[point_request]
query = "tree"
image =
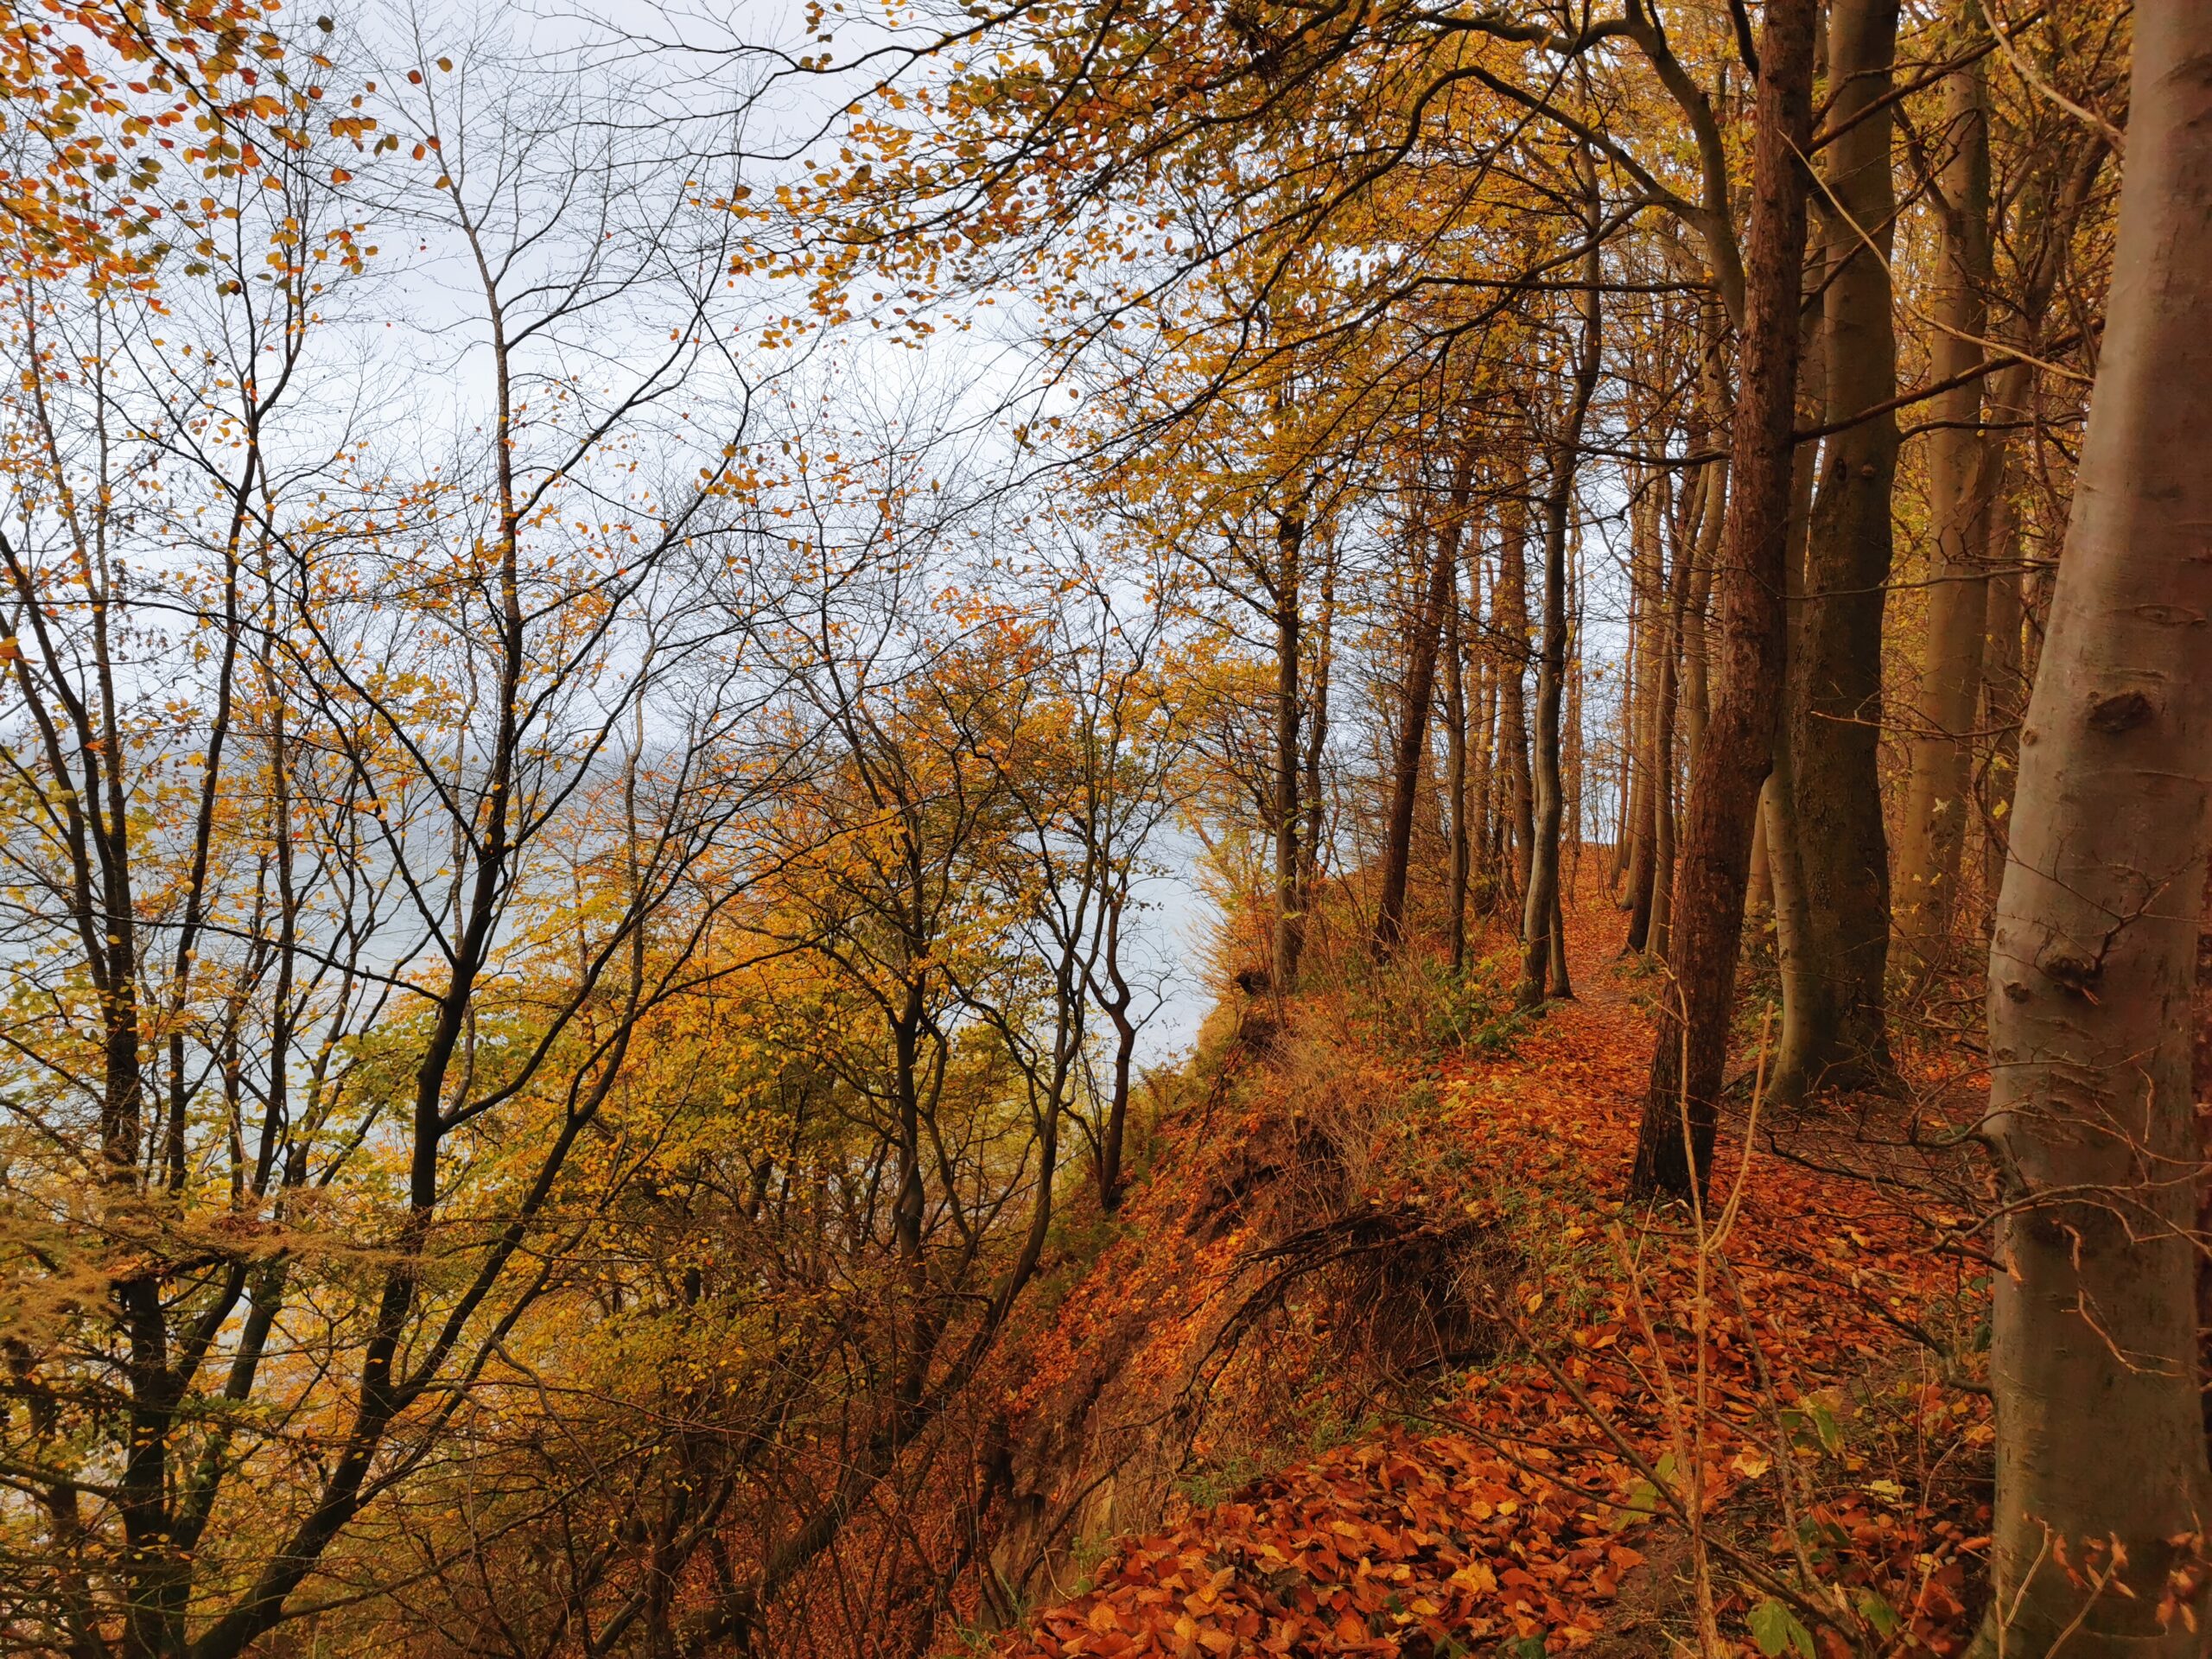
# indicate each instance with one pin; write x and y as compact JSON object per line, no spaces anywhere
{"x":1436,"y":619}
{"x":2102,"y":1478}
{"x":1543,"y":965}
{"x":1839,"y":1037}
{"x":1691,"y":1052}
{"x":1964,"y":470}
{"x":300,"y":750}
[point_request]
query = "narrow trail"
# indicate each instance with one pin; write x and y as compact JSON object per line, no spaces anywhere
{"x":1829,"y":1474}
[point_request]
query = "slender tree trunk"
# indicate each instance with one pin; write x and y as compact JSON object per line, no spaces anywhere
{"x":1114,"y":1001}
{"x":1805,"y":990}
{"x":2100,"y":1444}
{"x":1290,"y":921}
{"x":1691,"y":1050}
{"x":1697,"y":693}
{"x":1455,"y":768}
{"x":1645,"y":561}
{"x":1624,"y":778}
{"x":1483,"y":743}
{"x":1408,"y":763}
{"x":1571,"y":750}
{"x":2040,"y":224}
{"x":1758,"y":893}
{"x":1664,"y":822}
{"x":1962,"y":475}
{"x":1118,"y":1116}
{"x":2004,"y":687}
{"x":1558,"y":984}
{"x":1836,"y":686}
{"x":1802,"y":985}
{"x":1511,"y":606}
{"x":1543,"y":963}
{"x":1662,"y":755}
{"x":1317,"y":730}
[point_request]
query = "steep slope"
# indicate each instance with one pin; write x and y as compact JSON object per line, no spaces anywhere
{"x":1757,"y":1416}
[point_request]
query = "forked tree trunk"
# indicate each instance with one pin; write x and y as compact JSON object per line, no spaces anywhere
{"x":2100,"y":1444}
{"x":1543,"y":953}
{"x":1739,"y":747}
{"x":1963,"y":467}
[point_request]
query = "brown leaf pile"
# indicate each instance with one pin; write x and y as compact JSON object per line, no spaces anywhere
{"x":1506,"y":1521}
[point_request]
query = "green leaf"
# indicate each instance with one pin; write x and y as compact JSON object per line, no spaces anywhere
{"x":1878,"y":1613}
{"x":1643,"y":1502}
{"x":1777,"y":1630}
{"x":1529,"y":1647}
{"x":1824,"y":1426}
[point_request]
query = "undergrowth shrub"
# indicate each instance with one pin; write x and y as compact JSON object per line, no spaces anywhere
{"x":1417,"y":1008}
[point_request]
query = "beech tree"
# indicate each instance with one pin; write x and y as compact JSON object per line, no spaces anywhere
{"x":2101,"y":1478}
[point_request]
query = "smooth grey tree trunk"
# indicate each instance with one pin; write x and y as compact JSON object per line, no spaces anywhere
{"x":2094,"y":1362}
{"x":1964,"y":467}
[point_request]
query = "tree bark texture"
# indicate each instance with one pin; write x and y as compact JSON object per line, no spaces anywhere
{"x":2100,"y":1439}
{"x":1690,"y":1053}
{"x":1836,"y":671}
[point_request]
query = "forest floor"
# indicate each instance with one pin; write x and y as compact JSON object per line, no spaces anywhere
{"x":1750,"y":1445}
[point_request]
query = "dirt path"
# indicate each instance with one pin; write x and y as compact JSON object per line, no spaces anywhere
{"x":1506,"y":1516}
